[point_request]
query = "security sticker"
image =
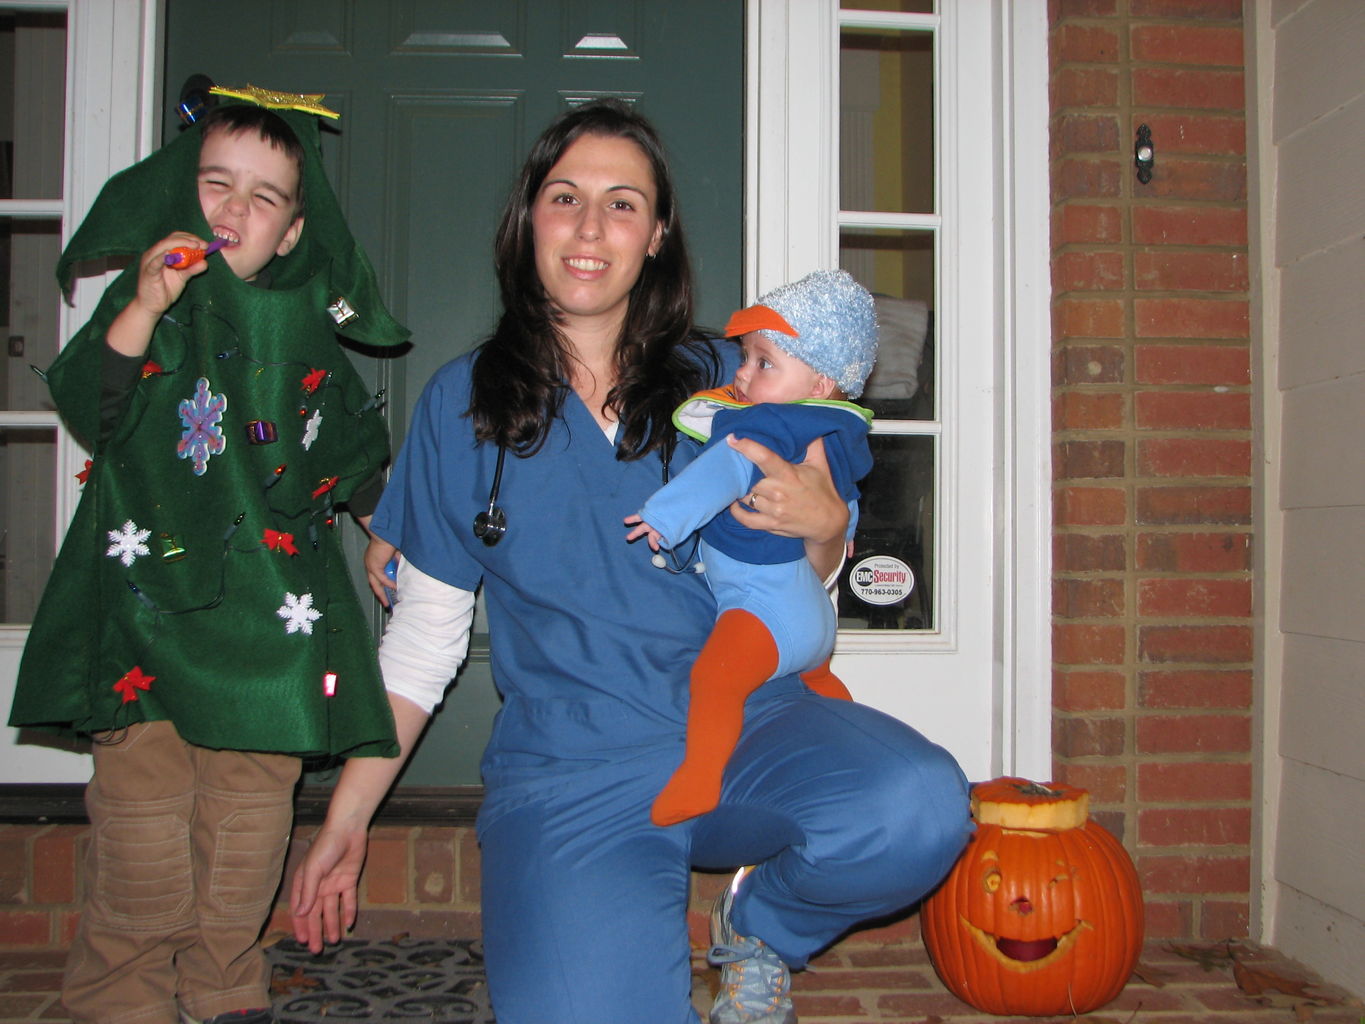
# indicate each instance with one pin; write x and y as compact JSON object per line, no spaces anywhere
{"x":881,"y":580}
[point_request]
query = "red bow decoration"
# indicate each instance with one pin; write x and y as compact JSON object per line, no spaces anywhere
{"x":149,"y":368}
{"x":84,"y":475}
{"x":132,"y":681}
{"x":314,"y":380}
{"x":324,"y":485}
{"x":277,"y":541}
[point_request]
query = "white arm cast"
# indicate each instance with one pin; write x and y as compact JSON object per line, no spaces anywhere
{"x":427,"y":637}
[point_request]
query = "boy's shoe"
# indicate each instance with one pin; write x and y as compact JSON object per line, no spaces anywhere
{"x":258,"y":1015}
{"x":755,"y":985}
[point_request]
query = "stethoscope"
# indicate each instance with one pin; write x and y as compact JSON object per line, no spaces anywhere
{"x":490,"y":525}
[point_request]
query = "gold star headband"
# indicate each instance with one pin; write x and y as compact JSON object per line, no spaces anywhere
{"x":308,"y":103}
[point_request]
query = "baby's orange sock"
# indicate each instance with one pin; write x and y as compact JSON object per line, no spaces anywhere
{"x":738,"y":658}
{"x":826,"y":683}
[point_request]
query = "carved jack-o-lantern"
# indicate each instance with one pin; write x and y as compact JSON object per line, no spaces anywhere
{"x":1043,"y":912}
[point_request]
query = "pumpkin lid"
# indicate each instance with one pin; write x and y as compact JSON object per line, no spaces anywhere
{"x":1030,"y":806}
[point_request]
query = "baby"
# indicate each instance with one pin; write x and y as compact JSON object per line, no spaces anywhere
{"x":808,"y":348}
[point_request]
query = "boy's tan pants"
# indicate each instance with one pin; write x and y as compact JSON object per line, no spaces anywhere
{"x":186,"y":849}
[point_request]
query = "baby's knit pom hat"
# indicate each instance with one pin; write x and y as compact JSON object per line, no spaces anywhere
{"x":827,"y":320}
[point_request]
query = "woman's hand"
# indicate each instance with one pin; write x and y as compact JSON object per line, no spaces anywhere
{"x":323,"y":892}
{"x":378,"y":554}
{"x":323,"y":895}
{"x":795,"y":500}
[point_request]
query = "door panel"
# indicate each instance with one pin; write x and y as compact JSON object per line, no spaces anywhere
{"x":440,"y":222}
{"x":440,"y":102}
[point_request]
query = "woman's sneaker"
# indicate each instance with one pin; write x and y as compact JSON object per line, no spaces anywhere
{"x":755,"y":985}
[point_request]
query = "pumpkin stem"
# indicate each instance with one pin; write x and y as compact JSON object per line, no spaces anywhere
{"x":1037,"y":789}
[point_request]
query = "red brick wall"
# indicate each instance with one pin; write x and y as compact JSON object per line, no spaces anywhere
{"x":38,"y":884}
{"x":419,"y":881}
{"x":1152,"y":636}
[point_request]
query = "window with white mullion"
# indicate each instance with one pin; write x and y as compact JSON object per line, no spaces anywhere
{"x":26,"y":418}
{"x":35,"y":208}
{"x":889,"y":231}
{"x":79,"y":93}
{"x":901,"y":221}
{"x":892,"y":20}
{"x":908,"y":428}
{"x":33,"y":67}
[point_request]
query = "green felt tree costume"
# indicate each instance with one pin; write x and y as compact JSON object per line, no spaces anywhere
{"x":201,"y":580}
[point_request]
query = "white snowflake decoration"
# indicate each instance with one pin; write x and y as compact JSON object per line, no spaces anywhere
{"x":298,"y":613}
{"x":127,"y":543}
{"x":310,"y":429}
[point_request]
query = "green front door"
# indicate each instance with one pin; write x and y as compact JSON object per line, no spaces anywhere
{"x":440,"y":102}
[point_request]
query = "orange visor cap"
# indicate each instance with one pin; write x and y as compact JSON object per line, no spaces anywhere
{"x":758,"y":318}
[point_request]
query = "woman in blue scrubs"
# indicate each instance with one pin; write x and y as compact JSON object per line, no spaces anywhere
{"x":846,"y":813}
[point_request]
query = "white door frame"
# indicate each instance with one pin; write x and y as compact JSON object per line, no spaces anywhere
{"x":995,"y":185}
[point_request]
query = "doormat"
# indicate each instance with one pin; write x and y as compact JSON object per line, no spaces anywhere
{"x":438,"y":980}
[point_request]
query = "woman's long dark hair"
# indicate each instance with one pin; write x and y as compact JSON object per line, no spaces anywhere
{"x":520,"y":376}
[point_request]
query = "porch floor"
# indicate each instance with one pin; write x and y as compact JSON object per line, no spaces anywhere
{"x":1204,"y":983}
{"x":1175,"y":983}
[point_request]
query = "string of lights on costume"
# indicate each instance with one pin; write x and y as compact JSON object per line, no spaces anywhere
{"x":201,"y":580}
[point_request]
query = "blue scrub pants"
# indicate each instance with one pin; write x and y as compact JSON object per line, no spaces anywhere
{"x":848,"y":813}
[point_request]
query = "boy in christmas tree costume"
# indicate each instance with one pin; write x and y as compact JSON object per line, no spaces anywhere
{"x":200,"y":624}
{"x":808,"y":346}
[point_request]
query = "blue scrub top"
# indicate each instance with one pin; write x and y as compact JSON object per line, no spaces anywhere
{"x":591,"y":643}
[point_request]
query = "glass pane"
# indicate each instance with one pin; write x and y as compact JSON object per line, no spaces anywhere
{"x":32,"y":99}
{"x":29,"y":303}
{"x":897,"y":267}
{"x":886,"y":121}
{"x":889,"y":581}
{"x":28,"y":461}
{"x":903,"y":6}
